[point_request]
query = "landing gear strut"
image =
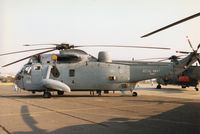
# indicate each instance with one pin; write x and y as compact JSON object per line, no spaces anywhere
{"x":158,"y":86}
{"x":99,"y":92}
{"x":92,"y":93}
{"x":47,"y":94}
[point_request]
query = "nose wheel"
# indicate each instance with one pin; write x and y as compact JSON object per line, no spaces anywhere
{"x":47,"y":94}
{"x":158,"y":86}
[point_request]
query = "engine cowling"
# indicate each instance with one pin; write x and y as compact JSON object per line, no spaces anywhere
{"x":104,"y":57}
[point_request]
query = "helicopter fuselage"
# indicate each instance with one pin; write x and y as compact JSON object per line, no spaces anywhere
{"x":190,"y":77}
{"x":82,"y":72}
{"x":84,"y":76}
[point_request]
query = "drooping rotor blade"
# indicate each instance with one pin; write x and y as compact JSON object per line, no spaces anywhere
{"x":173,"y":24}
{"x":153,"y":58}
{"x":68,"y":46}
{"x":164,"y":58}
{"x":173,"y":58}
{"x":183,"y":52}
{"x":123,"y":46}
{"x":26,"y":51}
{"x":41,"y":44}
{"x":27,"y":58}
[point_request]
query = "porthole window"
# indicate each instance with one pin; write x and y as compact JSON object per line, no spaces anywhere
{"x":72,"y":73}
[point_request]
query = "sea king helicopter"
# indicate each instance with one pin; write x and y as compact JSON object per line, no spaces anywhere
{"x":75,"y":70}
{"x":191,"y":76}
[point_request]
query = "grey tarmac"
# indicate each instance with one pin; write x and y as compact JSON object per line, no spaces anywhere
{"x":153,"y":111}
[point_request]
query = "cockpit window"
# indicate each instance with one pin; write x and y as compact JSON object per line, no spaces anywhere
{"x":27,"y":70}
{"x":68,"y":59}
{"x":37,"y":68}
{"x":21,"y":71}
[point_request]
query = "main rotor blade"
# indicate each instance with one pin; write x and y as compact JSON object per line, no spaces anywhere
{"x":123,"y":46}
{"x":68,"y":46}
{"x":173,"y":24}
{"x":198,"y":47}
{"x":198,"y":60}
{"x":26,"y":51}
{"x":27,"y":58}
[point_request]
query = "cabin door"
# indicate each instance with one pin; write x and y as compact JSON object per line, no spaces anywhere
{"x":36,"y":75}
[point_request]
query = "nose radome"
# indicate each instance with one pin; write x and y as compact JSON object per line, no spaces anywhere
{"x":19,"y":81}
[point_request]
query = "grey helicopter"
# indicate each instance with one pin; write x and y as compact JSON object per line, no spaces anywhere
{"x":189,"y":77}
{"x":75,"y":70}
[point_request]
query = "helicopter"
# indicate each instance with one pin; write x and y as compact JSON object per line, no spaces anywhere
{"x":189,"y":77}
{"x":75,"y":70}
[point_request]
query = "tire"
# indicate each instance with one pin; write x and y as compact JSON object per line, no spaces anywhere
{"x":60,"y":92}
{"x":47,"y":95}
{"x":99,"y":92}
{"x":134,"y":94}
{"x":184,"y":86}
{"x":158,"y":87}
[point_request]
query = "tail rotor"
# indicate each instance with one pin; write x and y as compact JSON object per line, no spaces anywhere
{"x":195,"y":52}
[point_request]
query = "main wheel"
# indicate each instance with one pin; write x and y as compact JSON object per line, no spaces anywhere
{"x":183,"y":86}
{"x":158,"y":86}
{"x":99,"y":92}
{"x":47,"y":94}
{"x":134,"y":94}
{"x":60,"y":92}
{"x":197,"y":89}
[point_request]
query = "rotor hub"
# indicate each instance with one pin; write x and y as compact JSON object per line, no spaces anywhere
{"x":64,"y":46}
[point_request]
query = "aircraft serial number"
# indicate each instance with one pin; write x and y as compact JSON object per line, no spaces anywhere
{"x":151,"y":72}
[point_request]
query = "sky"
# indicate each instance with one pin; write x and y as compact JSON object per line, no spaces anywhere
{"x":93,"y":22}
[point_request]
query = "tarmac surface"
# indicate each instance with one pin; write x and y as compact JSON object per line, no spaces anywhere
{"x":171,"y":110}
